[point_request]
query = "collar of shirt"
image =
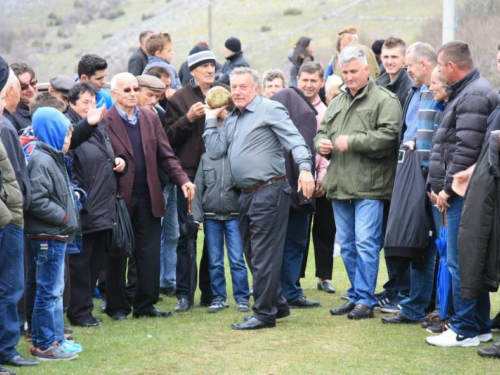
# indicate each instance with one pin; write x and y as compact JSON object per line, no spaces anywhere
{"x":316,"y":101}
{"x":358,"y":93}
{"x":250,"y":107}
{"x":132,"y":120}
{"x":253,"y":104}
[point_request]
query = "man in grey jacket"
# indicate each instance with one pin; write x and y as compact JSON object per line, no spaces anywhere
{"x":253,"y":137}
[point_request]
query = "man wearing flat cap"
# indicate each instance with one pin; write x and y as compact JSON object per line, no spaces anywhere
{"x":234,"y":59}
{"x":60,"y":86}
{"x":184,"y":124}
{"x":150,"y":93}
{"x":349,"y":37}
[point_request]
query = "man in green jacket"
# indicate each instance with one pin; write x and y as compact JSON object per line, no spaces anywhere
{"x":359,"y":134}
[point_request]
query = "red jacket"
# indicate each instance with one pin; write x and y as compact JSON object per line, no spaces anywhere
{"x":157,"y":152}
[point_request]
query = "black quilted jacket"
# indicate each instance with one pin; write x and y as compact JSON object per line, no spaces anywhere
{"x":459,"y":137}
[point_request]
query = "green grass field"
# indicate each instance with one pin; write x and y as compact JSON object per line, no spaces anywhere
{"x":307,"y":342}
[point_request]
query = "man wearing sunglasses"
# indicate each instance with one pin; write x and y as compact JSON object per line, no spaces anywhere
{"x":137,"y":134}
{"x":28,"y":81}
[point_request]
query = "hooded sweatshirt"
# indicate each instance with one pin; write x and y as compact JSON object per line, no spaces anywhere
{"x":52,"y":213}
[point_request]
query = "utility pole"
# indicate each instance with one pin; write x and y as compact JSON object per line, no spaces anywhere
{"x":210,"y":23}
{"x":448,"y":21}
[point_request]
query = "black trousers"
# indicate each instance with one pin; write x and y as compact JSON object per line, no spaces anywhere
{"x":182,"y":269}
{"x":29,"y":283}
{"x":263,"y":224}
{"x":147,"y":232}
{"x":323,"y":235}
{"x":84,"y":272}
{"x":399,"y":279}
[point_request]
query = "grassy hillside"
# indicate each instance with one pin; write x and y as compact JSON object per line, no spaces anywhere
{"x":57,"y":48}
{"x":53,"y":34}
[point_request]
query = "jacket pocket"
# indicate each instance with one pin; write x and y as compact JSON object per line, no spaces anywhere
{"x":370,"y":176}
{"x":367,"y":117}
{"x":61,"y":187}
{"x":332,"y":120}
{"x":209,"y":176}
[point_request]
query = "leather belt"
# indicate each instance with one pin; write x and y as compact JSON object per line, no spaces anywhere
{"x":260,"y":186}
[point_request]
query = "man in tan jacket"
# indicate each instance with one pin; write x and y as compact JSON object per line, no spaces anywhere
{"x":349,"y":38}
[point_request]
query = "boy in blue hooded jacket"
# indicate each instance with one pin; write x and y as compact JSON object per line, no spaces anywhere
{"x":52,"y":222}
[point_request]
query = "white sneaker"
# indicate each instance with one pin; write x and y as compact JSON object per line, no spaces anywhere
{"x":450,"y":338}
{"x":485,"y":337}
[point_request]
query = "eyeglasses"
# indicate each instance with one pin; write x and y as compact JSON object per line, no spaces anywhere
{"x":25,"y":86}
{"x":128,"y":90}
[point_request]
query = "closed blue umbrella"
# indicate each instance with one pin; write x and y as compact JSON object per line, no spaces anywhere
{"x":444,"y":275}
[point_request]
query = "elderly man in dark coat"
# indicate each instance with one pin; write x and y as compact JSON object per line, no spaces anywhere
{"x":137,"y":134}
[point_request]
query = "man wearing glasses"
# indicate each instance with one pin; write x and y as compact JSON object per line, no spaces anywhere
{"x":27,"y":78}
{"x":137,"y":134}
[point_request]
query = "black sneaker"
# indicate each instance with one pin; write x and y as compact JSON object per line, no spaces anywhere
{"x":182,"y":305}
{"x":217,"y":305}
{"x":392,"y":307}
{"x":243,"y":306}
{"x":382,"y":300}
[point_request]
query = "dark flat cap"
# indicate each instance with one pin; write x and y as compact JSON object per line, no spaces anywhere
{"x":4,"y":73}
{"x":348,"y":30}
{"x":62,"y":83}
{"x":151,"y":82}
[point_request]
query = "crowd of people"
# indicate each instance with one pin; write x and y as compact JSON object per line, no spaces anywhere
{"x":380,"y":150}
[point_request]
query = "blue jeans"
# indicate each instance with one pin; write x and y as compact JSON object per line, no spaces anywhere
{"x":472,"y":317}
{"x":169,"y":237}
{"x":359,"y":233}
{"x":11,"y":288}
{"x":422,"y":278}
{"x":48,"y":320}
{"x":215,"y":231}
{"x":295,"y":246}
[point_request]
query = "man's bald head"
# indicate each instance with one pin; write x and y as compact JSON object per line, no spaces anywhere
{"x":125,"y":90}
{"x":13,"y":92}
{"x":122,"y":78}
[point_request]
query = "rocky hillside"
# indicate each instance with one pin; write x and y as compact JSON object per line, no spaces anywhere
{"x":53,"y":34}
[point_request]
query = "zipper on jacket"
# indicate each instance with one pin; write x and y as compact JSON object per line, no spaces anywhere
{"x":222,"y":188}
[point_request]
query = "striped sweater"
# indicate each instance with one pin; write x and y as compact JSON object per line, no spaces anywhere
{"x":428,"y":108}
